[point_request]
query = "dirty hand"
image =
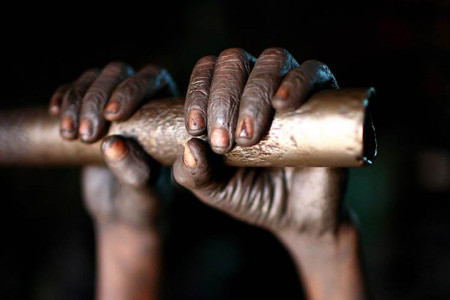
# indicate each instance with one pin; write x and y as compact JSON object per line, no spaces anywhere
{"x":119,"y":192}
{"x":232,"y":99}
{"x":120,"y":196}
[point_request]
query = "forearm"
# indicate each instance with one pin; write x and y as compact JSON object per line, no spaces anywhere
{"x":128,"y":262}
{"x":330,"y":265}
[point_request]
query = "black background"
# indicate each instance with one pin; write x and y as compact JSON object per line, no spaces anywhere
{"x":400,"y":47}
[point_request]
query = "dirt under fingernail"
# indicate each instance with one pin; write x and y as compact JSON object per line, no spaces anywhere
{"x":196,"y":120}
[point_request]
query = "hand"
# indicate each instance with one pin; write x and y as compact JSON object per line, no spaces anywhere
{"x":119,"y":197}
{"x":232,"y":99}
{"x":111,"y":94}
{"x":125,"y":210}
{"x":119,"y":192}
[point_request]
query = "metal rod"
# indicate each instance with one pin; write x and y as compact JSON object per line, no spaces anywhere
{"x":333,"y":129}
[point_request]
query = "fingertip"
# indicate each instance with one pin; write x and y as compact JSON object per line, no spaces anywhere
{"x":191,"y":170}
{"x":198,"y":148}
{"x":85,"y":130}
{"x":114,"y":110}
{"x":54,"y":110}
{"x":284,"y":100}
{"x":120,"y":106}
{"x":111,"y":109}
{"x":114,"y":148}
{"x":67,"y":128}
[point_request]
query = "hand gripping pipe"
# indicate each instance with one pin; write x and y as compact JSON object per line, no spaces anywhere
{"x":332,"y":129}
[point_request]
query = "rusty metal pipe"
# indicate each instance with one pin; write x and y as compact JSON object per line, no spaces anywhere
{"x":333,"y":129}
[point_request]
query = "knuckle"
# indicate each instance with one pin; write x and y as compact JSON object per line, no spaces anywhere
{"x":314,"y":63}
{"x":151,"y":71}
{"x":320,"y":72}
{"x":276,"y":52}
{"x":279,"y":58}
{"x":118,"y":68}
{"x":301,"y":76}
{"x":233,"y":54}
{"x":206,"y":61}
{"x":130,"y":87}
{"x":153,"y":68}
{"x":90,"y":73}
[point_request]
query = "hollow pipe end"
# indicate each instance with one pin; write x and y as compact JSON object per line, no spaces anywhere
{"x":369,"y":135}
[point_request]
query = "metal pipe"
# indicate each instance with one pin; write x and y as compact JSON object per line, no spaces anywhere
{"x":332,"y":129}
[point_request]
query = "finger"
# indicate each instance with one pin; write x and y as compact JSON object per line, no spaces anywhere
{"x":192,"y":170}
{"x":127,"y":161}
{"x":300,"y":83}
{"x":232,"y":69}
{"x":71,"y":104}
{"x":56,"y":100}
{"x":92,"y":122}
{"x":196,"y":104}
{"x":255,"y":111}
{"x":203,"y":173}
{"x":129,"y":94}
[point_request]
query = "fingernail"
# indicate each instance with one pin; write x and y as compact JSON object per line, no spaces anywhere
{"x":196,"y":121}
{"x":67,"y":125}
{"x":283,"y":93}
{"x":115,"y":149}
{"x":245,"y":130}
{"x":188,"y":157}
{"x":219,"y":138}
{"x":85,"y":130}
{"x":112,"y":107}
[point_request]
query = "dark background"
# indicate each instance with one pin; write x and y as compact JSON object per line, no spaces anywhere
{"x":400,"y":47}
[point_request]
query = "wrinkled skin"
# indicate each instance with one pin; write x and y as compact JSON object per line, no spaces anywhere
{"x":120,"y":192}
{"x":119,"y":197}
{"x":232,"y":98}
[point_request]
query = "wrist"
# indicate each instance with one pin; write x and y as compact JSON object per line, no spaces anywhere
{"x":125,"y":253}
{"x":334,"y":238}
{"x":329,"y":264}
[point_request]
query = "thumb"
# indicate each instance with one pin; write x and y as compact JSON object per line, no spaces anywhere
{"x":202,"y":172}
{"x":128,"y":161}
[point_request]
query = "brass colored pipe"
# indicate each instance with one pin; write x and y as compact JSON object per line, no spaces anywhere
{"x":332,"y":129}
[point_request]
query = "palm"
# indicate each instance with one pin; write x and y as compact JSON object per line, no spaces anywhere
{"x":277,"y":198}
